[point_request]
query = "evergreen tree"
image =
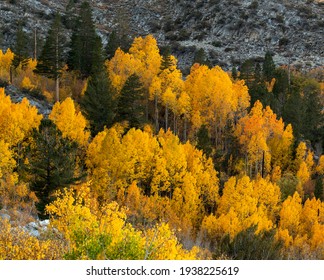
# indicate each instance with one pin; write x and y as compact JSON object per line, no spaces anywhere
{"x":294,"y":101}
{"x":201,"y":58}
{"x":234,"y":73}
{"x":257,"y":87}
{"x":69,"y":20}
{"x":51,"y":60}
{"x":268,"y":67}
{"x":250,"y":246}
{"x":131,"y":103}
{"x":166,"y":58}
{"x":20,"y":48}
{"x":204,"y":142}
{"x":247,"y":71}
{"x":98,"y":103}
{"x":319,"y":188}
{"x":313,"y":121}
{"x":86,"y":54}
{"x":280,"y":91}
{"x":52,"y":162}
{"x":112,"y":45}
{"x":116,"y":40}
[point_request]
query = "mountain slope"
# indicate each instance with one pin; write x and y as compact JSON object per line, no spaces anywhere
{"x":229,"y":31}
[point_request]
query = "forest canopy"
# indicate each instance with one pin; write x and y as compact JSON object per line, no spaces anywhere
{"x":135,"y":160}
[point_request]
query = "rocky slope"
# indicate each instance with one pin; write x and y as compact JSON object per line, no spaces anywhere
{"x":229,"y":31}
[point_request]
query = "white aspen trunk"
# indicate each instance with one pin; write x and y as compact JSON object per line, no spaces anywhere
{"x":156,"y":114}
{"x":166,"y":117}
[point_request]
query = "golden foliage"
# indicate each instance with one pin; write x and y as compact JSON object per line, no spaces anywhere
{"x":16,"y":120}
{"x":244,"y":203}
{"x":263,"y":137}
{"x":301,"y":226}
{"x":71,"y":123}
{"x":5,"y":63}
{"x":17,"y":244}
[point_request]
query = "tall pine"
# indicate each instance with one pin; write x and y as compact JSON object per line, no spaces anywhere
{"x":86,"y":54}
{"x":268,"y":67}
{"x":20,"y":48}
{"x":131,"y":102}
{"x":98,"y":103}
{"x":51,"y":60}
{"x":52,"y":162}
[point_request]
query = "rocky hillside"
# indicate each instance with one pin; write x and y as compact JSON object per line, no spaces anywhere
{"x":229,"y":31}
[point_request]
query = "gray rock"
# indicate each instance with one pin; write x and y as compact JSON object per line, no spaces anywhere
{"x":5,"y":216}
{"x":246,"y":28}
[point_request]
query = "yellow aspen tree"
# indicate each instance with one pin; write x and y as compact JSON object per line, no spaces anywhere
{"x":215,"y":100}
{"x":241,"y":92}
{"x":264,"y":139}
{"x":146,"y":53}
{"x":301,"y":152}
{"x":162,"y":244}
{"x":5,"y":63}
{"x":245,"y":203}
{"x":71,"y":123}
{"x":290,"y":215}
{"x":7,"y":162}
{"x":166,"y":88}
{"x":121,"y":67}
{"x":301,"y":226}
{"x":16,"y":120}
{"x":202,"y":169}
{"x":17,"y":244}
{"x":104,"y":163}
{"x":320,"y":165}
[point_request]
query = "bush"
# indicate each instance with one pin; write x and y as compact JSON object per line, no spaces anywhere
{"x":254,"y":5}
{"x":287,"y":184}
{"x":250,"y":246}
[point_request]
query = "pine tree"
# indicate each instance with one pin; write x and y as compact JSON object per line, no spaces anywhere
{"x":52,"y":162}
{"x":116,"y":40}
{"x":166,"y":58}
{"x":313,"y":122}
{"x":234,"y":73}
{"x":200,"y":57}
{"x":69,"y":20}
{"x":131,"y":102}
{"x":98,"y":103}
{"x":20,"y":48}
{"x":247,"y":71}
{"x":51,"y":60}
{"x":86,"y":54}
{"x":204,"y":142}
{"x":268,"y":67}
{"x":112,"y":45}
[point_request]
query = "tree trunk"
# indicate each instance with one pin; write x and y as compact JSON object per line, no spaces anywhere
{"x":156,"y":114}
{"x":35,"y":43}
{"x":57,"y":82}
{"x":57,"y":89}
{"x":166,"y":117}
{"x":185,"y":130}
{"x":147,"y":106}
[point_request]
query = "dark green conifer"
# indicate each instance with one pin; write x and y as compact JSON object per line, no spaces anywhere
{"x":131,"y":103}
{"x":268,"y":67}
{"x":51,"y":60}
{"x":98,"y":103}
{"x":20,"y":48}
{"x":86,"y":54}
{"x":52,"y":162}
